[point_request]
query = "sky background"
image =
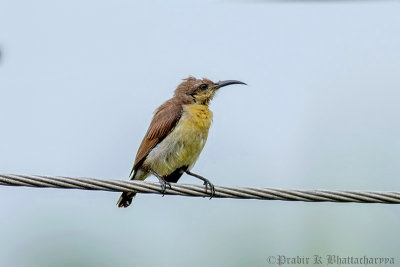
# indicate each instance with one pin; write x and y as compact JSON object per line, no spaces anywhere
{"x":79,"y":81}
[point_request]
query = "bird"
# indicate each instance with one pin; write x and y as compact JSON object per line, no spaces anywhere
{"x":176,"y":136}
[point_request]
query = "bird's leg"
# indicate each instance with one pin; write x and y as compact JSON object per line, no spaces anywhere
{"x":206,"y":182}
{"x":162,"y":182}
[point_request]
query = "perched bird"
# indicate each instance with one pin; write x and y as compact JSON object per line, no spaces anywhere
{"x":176,"y":135}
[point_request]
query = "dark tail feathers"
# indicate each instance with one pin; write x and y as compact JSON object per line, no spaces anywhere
{"x":125,"y":199}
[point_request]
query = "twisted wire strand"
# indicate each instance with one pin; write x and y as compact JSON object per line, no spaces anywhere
{"x":200,"y":191}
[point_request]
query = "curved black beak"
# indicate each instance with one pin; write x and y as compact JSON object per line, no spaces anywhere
{"x":227,"y":82}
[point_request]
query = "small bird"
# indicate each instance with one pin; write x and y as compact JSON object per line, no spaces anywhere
{"x":176,"y":136}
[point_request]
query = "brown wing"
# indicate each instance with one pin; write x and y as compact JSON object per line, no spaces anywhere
{"x":164,"y":120}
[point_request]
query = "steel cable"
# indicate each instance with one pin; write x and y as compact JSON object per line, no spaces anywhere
{"x":200,"y":191}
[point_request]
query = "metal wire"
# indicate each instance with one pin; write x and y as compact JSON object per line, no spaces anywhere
{"x":199,"y":191}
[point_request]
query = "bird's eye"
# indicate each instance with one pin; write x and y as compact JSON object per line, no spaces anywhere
{"x":203,"y":86}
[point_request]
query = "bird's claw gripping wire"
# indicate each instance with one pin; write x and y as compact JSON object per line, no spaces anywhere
{"x":164,"y":185}
{"x":212,"y":188}
{"x":206,"y":183}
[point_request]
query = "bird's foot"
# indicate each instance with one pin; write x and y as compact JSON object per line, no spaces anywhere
{"x":212,"y":188}
{"x":164,"y":185}
{"x":206,"y":183}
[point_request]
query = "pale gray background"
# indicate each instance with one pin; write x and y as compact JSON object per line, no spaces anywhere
{"x":79,"y":81}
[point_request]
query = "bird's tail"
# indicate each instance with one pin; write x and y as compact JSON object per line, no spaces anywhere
{"x":125,"y":199}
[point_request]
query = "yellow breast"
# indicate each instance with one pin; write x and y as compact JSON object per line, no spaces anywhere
{"x":199,"y":116}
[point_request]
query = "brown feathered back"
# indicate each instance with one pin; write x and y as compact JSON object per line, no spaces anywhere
{"x":163,"y":122}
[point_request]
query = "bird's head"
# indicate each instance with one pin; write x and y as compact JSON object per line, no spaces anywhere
{"x":201,"y":91}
